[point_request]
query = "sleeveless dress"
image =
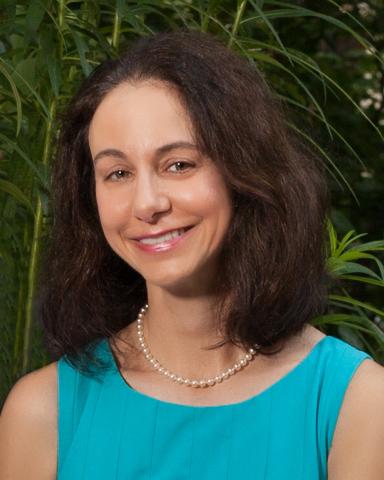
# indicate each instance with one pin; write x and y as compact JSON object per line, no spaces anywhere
{"x":109,"y":431}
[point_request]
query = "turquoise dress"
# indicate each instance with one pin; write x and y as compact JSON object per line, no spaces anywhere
{"x":109,"y":431}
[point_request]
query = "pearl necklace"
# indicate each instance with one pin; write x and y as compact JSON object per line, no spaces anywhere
{"x":239,"y":365}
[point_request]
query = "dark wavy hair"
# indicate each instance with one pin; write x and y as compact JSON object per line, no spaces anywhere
{"x":272,"y":278}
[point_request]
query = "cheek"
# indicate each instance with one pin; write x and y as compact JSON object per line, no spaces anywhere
{"x":214,"y":198}
{"x":110,"y":210}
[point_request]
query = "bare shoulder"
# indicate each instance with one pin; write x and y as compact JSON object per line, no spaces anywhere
{"x":356,"y":450}
{"x":300,"y":345}
{"x":28,"y":427}
{"x":35,"y":393}
{"x":312,"y":335}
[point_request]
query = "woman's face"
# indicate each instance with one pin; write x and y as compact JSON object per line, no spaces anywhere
{"x":149,"y":179}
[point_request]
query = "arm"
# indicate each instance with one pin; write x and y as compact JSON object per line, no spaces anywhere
{"x":28,"y":428}
{"x":357,"y":450}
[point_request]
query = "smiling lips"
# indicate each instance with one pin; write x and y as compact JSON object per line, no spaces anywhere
{"x":160,"y":234}
{"x":164,"y":242}
{"x":162,"y":238}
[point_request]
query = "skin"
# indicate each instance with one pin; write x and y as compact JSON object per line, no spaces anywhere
{"x":152,"y":194}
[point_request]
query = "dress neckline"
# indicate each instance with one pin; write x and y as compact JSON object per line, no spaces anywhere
{"x":136,"y":393}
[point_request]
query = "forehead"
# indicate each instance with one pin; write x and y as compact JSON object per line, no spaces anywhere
{"x":146,"y":112}
{"x":137,"y":91}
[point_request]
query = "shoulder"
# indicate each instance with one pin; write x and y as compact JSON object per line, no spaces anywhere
{"x":28,"y":426}
{"x":34,"y":394}
{"x":356,"y":450}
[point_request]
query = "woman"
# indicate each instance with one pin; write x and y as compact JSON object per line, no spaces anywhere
{"x":187,"y":261}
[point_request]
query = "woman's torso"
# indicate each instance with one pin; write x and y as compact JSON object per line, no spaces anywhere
{"x":283,"y":430}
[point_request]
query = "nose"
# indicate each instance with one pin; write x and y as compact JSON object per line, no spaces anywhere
{"x":149,"y":198}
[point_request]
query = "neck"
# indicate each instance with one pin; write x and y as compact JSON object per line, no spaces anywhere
{"x":178,"y":332}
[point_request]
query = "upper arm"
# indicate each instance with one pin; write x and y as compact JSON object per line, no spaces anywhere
{"x":28,"y":427}
{"x":357,"y":448}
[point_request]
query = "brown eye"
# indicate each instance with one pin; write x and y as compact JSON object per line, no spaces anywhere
{"x":117,"y":175}
{"x":181,"y":163}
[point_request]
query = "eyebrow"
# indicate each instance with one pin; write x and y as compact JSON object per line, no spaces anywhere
{"x":113,"y":152}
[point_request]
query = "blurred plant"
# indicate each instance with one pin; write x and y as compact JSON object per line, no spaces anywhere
{"x":48,"y":47}
{"x":351,"y":316}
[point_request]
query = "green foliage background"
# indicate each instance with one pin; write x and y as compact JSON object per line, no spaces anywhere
{"x":325,"y":60}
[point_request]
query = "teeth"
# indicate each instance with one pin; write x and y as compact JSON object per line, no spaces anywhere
{"x":164,"y":238}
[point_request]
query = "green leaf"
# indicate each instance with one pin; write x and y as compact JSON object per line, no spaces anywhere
{"x":34,"y":17}
{"x":347,"y":240}
{"x":329,"y":126}
{"x":354,"y":255}
{"x":16,"y":96}
{"x":332,"y":236}
{"x":267,"y":59}
{"x":290,"y":10}
{"x":376,"y":246}
{"x":378,"y":283}
{"x":357,"y":303}
{"x":82,"y":49}
{"x":34,"y":92}
{"x":353,"y":18}
{"x":11,"y":145}
{"x":264,"y":17}
{"x":16,"y":193}
{"x":343,"y":267}
{"x":353,"y":322}
{"x":50,"y":58}
{"x":238,"y":15}
{"x":326,"y":156}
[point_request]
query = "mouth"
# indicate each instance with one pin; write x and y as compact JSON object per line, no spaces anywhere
{"x":164,"y":242}
{"x":164,"y":237}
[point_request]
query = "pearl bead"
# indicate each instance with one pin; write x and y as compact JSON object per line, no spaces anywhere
{"x":186,"y":381}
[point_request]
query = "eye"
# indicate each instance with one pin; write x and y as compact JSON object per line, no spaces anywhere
{"x":117,"y":175}
{"x":181,"y":163}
